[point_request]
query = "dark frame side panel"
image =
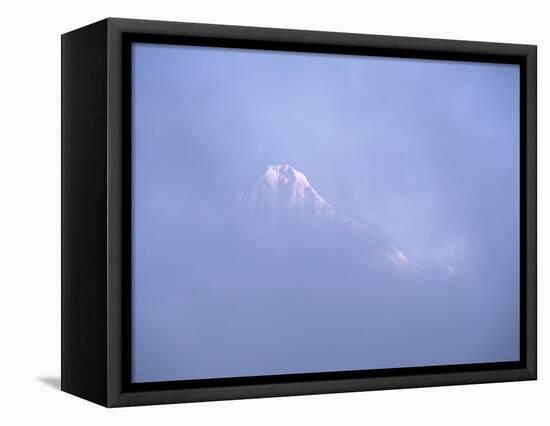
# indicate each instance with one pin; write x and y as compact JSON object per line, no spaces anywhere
{"x":106,"y":369}
{"x":84,"y":212}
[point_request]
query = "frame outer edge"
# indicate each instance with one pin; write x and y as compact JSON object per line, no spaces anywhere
{"x":531,"y":192}
{"x":325,"y":37}
{"x":83,"y":209}
{"x":116,"y":397}
{"x":114,"y":212}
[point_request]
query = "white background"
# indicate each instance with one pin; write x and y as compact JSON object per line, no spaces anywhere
{"x":30,"y":211}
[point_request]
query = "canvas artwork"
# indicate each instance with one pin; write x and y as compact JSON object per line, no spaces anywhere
{"x":302,"y":212}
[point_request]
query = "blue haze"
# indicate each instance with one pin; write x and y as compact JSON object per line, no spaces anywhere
{"x":425,"y":153}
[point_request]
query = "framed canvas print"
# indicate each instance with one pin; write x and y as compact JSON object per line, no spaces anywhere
{"x":252,"y":212}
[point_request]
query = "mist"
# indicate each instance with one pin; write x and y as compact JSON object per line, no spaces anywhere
{"x":424,"y":153}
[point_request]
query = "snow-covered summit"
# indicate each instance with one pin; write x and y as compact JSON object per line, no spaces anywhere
{"x":284,"y":193}
{"x":283,"y":189}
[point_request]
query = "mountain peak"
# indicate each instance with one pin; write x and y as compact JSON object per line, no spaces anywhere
{"x":284,"y":190}
{"x":285,"y":174}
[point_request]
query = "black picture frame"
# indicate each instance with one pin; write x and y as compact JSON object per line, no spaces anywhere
{"x":96,"y":203}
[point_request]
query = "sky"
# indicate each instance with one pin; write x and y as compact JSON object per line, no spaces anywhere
{"x":425,"y":153}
